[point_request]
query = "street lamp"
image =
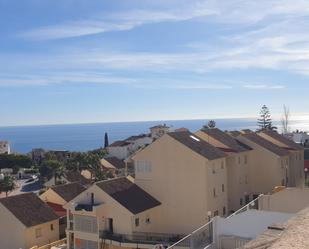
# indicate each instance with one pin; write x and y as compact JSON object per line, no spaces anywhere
{"x":306,"y":172}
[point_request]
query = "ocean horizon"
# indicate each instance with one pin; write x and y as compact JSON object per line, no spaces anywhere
{"x":84,"y":137}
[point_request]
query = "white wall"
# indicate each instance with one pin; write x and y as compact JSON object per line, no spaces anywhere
{"x":5,"y":147}
{"x":121,"y":152}
{"x":141,"y":142}
{"x":289,"y":200}
{"x":248,"y":224}
{"x":12,"y":231}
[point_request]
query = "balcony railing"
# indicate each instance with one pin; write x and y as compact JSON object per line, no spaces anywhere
{"x":142,"y":238}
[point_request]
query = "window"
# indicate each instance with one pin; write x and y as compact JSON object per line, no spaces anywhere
{"x":52,"y":227}
{"x":147,"y":221}
{"x":223,"y":211}
{"x":38,"y":232}
{"x":84,"y":223}
{"x":246,"y":159}
{"x":246,"y":179}
{"x":213,"y":169}
{"x":247,"y":199}
{"x":136,"y":222}
{"x":239,"y":160}
{"x":143,"y":166}
{"x":214,"y":192}
{"x":240,"y":202}
{"x":222,"y":187}
{"x":222,"y":165}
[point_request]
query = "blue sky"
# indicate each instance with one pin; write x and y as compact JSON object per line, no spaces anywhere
{"x":81,"y":61}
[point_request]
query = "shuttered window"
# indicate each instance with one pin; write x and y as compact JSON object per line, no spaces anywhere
{"x":85,"y":224}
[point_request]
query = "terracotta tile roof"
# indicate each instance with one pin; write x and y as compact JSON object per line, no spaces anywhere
{"x":227,"y":140}
{"x":197,"y":145}
{"x":266,"y":144}
{"x":128,"y":194}
{"x":117,"y":163}
{"x":29,"y":209}
{"x":234,"y":133}
{"x":133,"y":138}
{"x":58,"y":209}
{"x":69,"y":191}
{"x":119,"y":143}
{"x":282,"y":139}
{"x":75,"y":176}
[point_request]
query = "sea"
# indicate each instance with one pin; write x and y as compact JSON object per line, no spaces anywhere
{"x":84,"y":137}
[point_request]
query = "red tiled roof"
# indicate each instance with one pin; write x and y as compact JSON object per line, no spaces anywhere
{"x":58,"y":209}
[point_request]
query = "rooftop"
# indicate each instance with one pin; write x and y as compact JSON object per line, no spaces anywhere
{"x":69,"y":191}
{"x":197,"y":145}
{"x":292,"y":234}
{"x":128,"y":194}
{"x":266,"y":144}
{"x":29,"y":209}
{"x":133,"y":138}
{"x":227,"y":140}
{"x":159,"y":126}
{"x":75,"y":176}
{"x":117,"y":163}
{"x":234,"y":133}
{"x":119,"y":143}
{"x":282,"y":139}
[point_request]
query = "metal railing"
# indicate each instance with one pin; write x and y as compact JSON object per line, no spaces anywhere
{"x":251,"y":205}
{"x":203,"y":236}
{"x":142,"y":238}
{"x":198,"y":239}
{"x":59,"y":243}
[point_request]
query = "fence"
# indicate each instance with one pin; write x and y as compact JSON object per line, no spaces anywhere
{"x":251,"y":205}
{"x":203,"y":236}
{"x":142,"y":238}
{"x":198,"y":239}
{"x":49,"y":246}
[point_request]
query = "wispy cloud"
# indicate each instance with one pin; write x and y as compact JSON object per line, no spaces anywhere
{"x":63,"y":78}
{"x":117,"y":22}
{"x":263,"y":86}
{"x":273,"y":37}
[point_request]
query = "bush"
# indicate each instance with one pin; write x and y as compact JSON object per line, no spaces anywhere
{"x":17,"y":161}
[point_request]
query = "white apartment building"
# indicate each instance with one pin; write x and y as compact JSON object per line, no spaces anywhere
{"x":5,"y":147}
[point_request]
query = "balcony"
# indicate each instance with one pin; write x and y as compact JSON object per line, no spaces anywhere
{"x":85,"y":207}
{"x":142,"y":238}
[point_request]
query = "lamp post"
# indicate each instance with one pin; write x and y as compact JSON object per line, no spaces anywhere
{"x":306,"y":172}
{"x":209,"y":226}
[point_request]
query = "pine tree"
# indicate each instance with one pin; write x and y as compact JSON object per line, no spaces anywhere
{"x":106,"y":140}
{"x":265,"y":121}
{"x":211,"y":124}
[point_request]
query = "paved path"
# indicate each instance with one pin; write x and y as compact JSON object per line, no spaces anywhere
{"x":20,"y":188}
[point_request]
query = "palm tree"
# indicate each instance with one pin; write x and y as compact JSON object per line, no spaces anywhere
{"x":94,"y":166}
{"x":77,"y":162}
{"x":52,"y":168}
{"x":7,"y":184}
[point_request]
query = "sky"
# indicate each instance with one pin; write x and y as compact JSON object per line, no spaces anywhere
{"x":81,"y":61}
